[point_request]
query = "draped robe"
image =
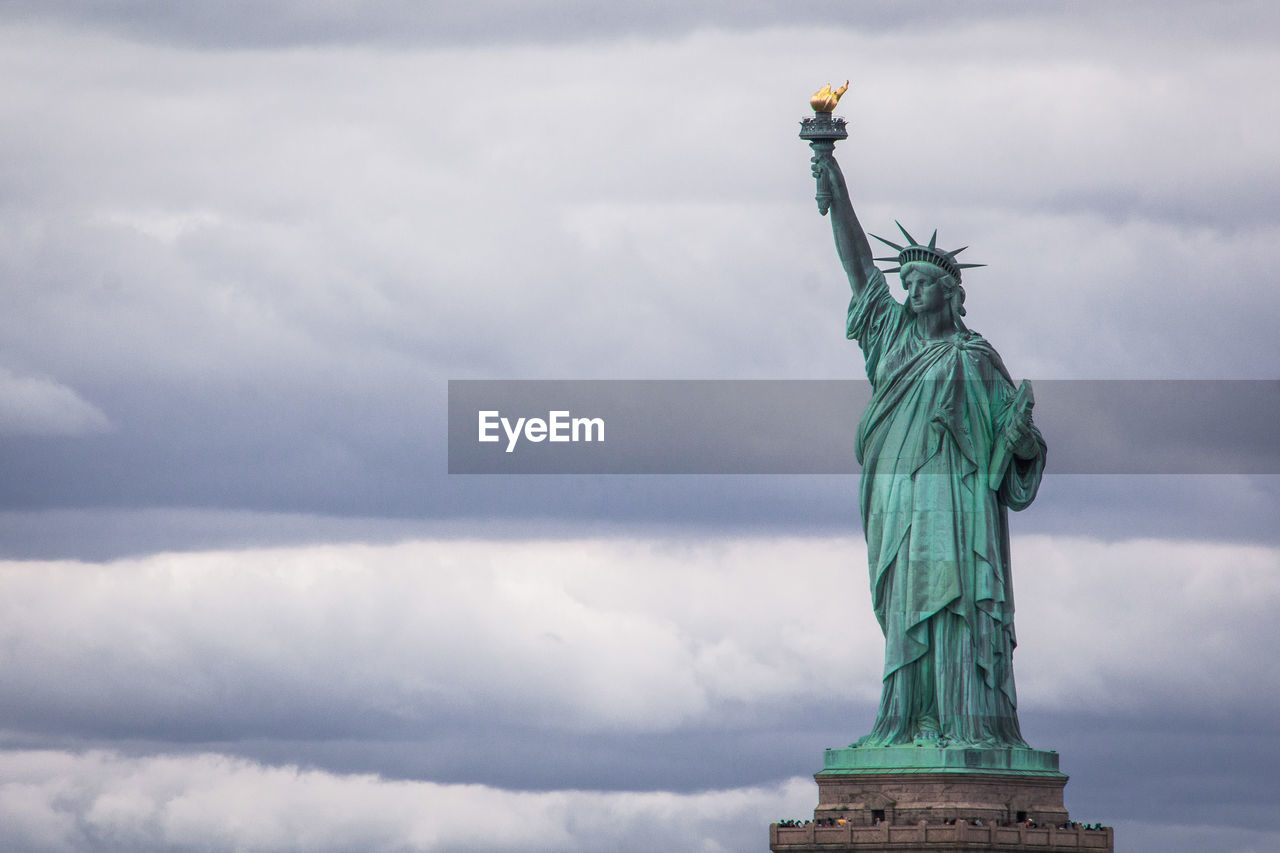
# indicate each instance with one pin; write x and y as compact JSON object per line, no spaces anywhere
{"x":936,"y":522}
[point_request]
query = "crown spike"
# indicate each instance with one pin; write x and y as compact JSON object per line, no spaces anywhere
{"x":916,"y":252}
{"x":910,"y":239}
{"x":888,"y":243}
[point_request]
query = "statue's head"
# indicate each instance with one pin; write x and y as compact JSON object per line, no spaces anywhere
{"x":933,"y":261}
{"x":952,"y":292}
{"x":938,"y":264}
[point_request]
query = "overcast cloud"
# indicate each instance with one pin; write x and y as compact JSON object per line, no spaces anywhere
{"x":244,"y":247}
{"x":543,"y":665}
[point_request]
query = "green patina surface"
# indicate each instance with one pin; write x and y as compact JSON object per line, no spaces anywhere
{"x":932,"y":759}
{"x":948,"y":448}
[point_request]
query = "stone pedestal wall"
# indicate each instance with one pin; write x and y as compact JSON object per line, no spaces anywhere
{"x":938,"y":838}
{"x":908,"y":798}
{"x":936,"y":799}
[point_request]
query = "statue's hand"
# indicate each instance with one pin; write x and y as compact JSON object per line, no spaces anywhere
{"x":1021,"y":437}
{"x":823,"y":165}
{"x":825,"y":171}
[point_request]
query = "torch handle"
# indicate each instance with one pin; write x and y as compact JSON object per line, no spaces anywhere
{"x":823,"y":198}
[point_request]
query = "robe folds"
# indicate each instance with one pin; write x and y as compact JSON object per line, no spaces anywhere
{"x":936,"y":520}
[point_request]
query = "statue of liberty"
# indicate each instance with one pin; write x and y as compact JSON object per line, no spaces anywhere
{"x":947,"y":448}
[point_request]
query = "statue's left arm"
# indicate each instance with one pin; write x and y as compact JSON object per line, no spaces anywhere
{"x":1023,"y":437}
{"x":1019,"y":454}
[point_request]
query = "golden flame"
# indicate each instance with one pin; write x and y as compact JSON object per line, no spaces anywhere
{"x":824,"y":100}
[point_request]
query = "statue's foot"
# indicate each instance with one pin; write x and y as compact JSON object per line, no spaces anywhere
{"x":927,"y":732}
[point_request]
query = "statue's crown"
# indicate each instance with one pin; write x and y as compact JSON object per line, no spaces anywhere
{"x":930,"y":254}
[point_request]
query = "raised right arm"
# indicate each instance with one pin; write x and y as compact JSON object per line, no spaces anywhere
{"x":851,"y":240}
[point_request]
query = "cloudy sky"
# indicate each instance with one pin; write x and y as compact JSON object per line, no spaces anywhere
{"x":245,"y":246}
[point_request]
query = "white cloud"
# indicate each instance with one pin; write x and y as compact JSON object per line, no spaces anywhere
{"x":57,"y":802}
{"x":1148,"y":627}
{"x":589,"y":635}
{"x":38,"y":405}
{"x":270,"y":260}
{"x":162,"y":225}
{"x":310,"y":216}
{"x":99,"y":800}
{"x":592,"y":635}
{"x":289,"y":236}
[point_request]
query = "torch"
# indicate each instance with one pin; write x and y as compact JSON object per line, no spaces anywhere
{"x":822,"y":131}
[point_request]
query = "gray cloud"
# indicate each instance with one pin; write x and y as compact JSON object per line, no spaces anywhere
{"x":263,"y":265}
{"x":207,"y":24}
{"x":38,"y":405}
{"x":55,"y":802}
{"x":1181,"y":507}
{"x":582,"y":636}
{"x":268,"y":264}
{"x":102,"y":800}
{"x":394,"y":22}
{"x":693,"y":663}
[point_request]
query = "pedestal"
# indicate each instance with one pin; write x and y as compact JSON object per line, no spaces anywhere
{"x":929,"y":798}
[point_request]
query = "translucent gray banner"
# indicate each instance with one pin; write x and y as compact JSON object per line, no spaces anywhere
{"x":809,"y":427}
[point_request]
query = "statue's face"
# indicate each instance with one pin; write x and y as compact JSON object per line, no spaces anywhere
{"x":925,"y":293}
